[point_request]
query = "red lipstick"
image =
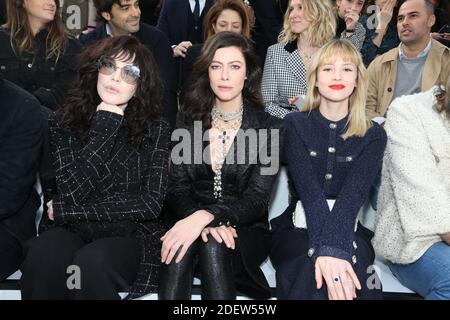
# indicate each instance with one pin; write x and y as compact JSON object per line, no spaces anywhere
{"x":337,"y":86}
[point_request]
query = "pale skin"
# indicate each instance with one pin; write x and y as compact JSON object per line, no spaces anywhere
{"x":349,"y":10}
{"x":227,"y":74}
{"x":228,"y":20}
{"x":334,"y":105}
{"x":383,"y":18}
{"x":180,"y":49}
{"x":39,"y":14}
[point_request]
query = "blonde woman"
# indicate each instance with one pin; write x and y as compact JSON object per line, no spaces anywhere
{"x":333,"y":154}
{"x":307,"y":26}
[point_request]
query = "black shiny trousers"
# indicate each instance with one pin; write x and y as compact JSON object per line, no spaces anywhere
{"x":215,"y":263}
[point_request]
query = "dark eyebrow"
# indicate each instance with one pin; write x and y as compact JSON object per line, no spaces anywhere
{"x":237,"y":61}
{"x":408,"y":14}
{"x":124,"y":3}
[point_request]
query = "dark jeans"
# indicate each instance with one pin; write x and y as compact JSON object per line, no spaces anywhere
{"x":106,"y":266}
{"x":216,"y":270}
{"x":10,"y":254}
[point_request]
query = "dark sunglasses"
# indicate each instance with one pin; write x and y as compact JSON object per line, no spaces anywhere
{"x":129,"y":73}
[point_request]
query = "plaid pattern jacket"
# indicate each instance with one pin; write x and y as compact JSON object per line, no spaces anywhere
{"x":108,"y":188}
{"x":284,"y":77}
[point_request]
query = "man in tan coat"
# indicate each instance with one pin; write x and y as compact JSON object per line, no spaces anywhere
{"x":416,"y":65}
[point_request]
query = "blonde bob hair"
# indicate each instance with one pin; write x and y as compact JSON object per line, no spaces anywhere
{"x":357,"y":124}
{"x":320,"y":15}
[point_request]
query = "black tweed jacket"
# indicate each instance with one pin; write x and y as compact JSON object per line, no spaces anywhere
{"x":108,"y":188}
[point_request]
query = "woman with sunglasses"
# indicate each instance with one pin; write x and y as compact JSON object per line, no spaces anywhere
{"x":111,"y":157}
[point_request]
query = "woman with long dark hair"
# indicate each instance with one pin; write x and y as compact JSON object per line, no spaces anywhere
{"x":380,"y":22}
{"x":37,"y":54}
{"x":111,"y":156}
{"x":217,"y":205}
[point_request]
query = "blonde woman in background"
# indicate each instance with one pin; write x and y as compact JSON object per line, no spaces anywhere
{"x":307,"y":26}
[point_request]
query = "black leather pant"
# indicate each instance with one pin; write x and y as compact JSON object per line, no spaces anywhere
{"x":216,"y":269}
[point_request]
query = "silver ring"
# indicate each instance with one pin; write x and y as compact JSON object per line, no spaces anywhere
{"x":336,"y":279}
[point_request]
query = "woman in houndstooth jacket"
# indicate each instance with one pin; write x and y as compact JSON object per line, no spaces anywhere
{"x":111,"y":157}
{"x":307,"y":26}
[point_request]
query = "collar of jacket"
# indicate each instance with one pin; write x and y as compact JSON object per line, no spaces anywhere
{"x":104,"y":34}
{"x":42,"y":35}
{"x":291,"y":46}
{"x":341,"y":124}
{"x":436,"y":51}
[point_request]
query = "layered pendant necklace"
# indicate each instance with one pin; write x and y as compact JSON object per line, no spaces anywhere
{"x":226,"y":125}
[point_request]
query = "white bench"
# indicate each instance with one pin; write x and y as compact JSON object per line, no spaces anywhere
{"x":278,"y":203}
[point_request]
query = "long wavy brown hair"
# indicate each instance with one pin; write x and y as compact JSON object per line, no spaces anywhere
{"x":199,"y":98}
{"x":22,"y":37}
{"x":82,"y":100}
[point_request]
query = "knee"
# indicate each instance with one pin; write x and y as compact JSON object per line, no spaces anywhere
{"x":441,"y":290}
{"x":41,"y":252}
{"x":213,"y":252}
{"x":212,"y":247}
{"x":91,"y":261}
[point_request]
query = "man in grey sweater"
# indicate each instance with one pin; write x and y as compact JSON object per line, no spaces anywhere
{"x":416,"y":65}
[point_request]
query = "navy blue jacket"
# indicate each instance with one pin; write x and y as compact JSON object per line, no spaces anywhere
{"x":268,"y":24}
{"x":158,"y":44}
{"x":173,"y":20}
{"x":321,"y":165}
{"x":20,"y":145}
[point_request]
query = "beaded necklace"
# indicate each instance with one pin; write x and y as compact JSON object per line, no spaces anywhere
{"x":226,"y":125}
